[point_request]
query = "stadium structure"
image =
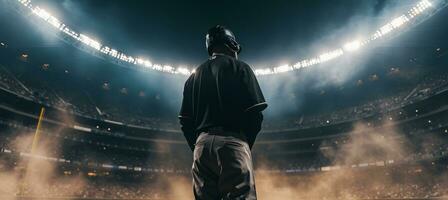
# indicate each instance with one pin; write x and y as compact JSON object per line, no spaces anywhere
{"x":85,"y":121}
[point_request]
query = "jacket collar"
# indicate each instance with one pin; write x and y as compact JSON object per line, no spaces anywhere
{"x":214,"y":55}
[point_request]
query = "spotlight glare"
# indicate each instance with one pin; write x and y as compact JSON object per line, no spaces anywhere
{"x":168,"y":68}
{"x":183,"y":70}
{"x":265,"y":71}
{"x":148,"y":63}
{"x":157,"y":67}
{"x":42,"y":13}
{"x":282,"y":68}
{"x":140,"y":61}
{"x":399,"y":21}
{"x":352,"y":46}
{"x":330,"y":55}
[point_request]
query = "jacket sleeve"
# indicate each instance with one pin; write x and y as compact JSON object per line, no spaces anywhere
{"x":186,"y":117}
{"x":253,"y":126}
{"x":253,"y":100}
{"x":254,"y":104}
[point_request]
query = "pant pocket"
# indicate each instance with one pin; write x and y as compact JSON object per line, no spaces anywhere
{"x":200,"y":140}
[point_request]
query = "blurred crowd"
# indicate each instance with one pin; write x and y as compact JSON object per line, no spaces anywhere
{"x":91,"y":190}
{"x":79,"y":103}
{"x":356,"y":188}
{"x":426,"y":88}
{"x":74,"y":101}
{"x":395,"y":191}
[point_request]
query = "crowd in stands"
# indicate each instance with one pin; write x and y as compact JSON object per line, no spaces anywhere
{"x":71,"y":102}
{"x":84,"y":152}
{"x":429,"y":86}
{"x":77,"y":188}
{"x":92,"y":152}
{"x":8,"y":82}
{"x":354,"y":188}
{"x":430,"y":152}
{"x":398,"y":191}
{"x":319,"y":163}
{"x":421,"y":144}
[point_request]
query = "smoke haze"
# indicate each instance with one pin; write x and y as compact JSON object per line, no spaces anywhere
{"x":364,"y":144}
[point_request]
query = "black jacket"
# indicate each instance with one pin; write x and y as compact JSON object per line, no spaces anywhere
{"x":223,"y":92}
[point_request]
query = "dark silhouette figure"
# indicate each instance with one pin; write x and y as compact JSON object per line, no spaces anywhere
{"x":221,"y":117}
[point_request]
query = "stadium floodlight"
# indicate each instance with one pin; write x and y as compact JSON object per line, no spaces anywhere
{"x":330,"y":55}
{"x":183,"y":70}
{"x":148,"y":63}
{"x":54,"y":22}
{"x":157,"y":67}
{"x":352,"y":46}
{"x":42,"y":13}
{"x":140,"y":61}
{"x":126,"y":58}
{"x":90,"y":42}
{"x":168,"y":68}
{"x":265,"y":71}
{"x":397,"y":22}
{"x":113,"y":53}
{"x":298,"y":65}
{"x":386,"y":29}
{"x":25,"y":2}
{"x":105,"y":50}
{"x":71,"y":33}
{"x":355,"y":45}
{"x":419,"y":8}
{"x":283,"y":68}
{"x":131,"y":59}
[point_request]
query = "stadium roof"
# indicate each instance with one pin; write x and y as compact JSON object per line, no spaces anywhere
{"x":167,"y":32}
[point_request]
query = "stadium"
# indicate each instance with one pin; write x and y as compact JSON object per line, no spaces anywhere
{"x":89,"y":109}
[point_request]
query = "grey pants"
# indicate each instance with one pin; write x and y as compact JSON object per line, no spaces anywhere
{"x":222,"y":167}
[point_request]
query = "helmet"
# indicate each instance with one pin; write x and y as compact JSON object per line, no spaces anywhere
{"x":221,"y":35}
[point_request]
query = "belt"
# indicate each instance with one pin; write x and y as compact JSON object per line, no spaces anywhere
{"x":221,"y":131}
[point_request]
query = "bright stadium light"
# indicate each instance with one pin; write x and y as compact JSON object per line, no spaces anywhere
{"x":90,"y":42}
{"x":54,"y":22}
{"x":25,"y":2}
{"x":352,"y":46}
{"x":283,"y":68}
{"x":183,"y":70}
{"x":168,"y":68}
{"x":330,"y":55}
{"x":140,"y":61}
{"x":148,"y":63}
{"x":395,"y":24}
{"x":265,"y":71}
{"x":157,"y":67}
{"x":113,"y":53}
{"x":42,"y":13}
{"x":386,"y":29}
